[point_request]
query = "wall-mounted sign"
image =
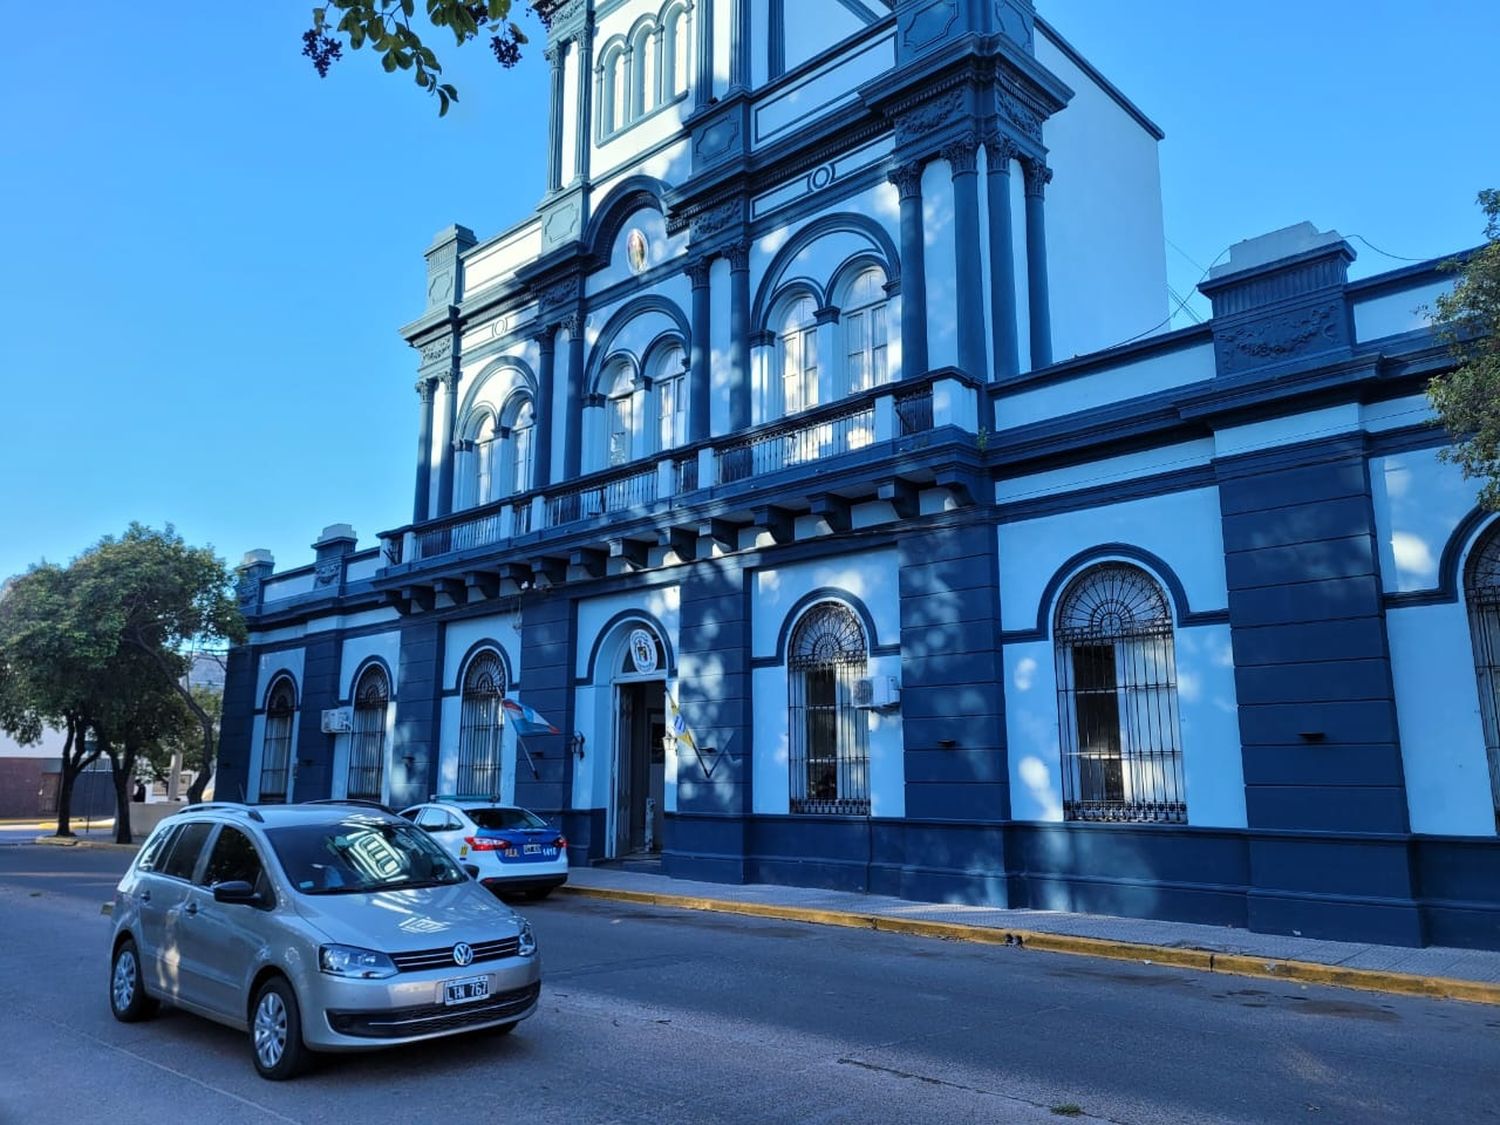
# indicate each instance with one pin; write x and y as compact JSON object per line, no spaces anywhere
{"x":637,"y":250}
{"x":643,"y":650}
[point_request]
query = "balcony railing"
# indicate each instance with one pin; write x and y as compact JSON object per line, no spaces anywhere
{"x":914,"y":410}
{"x":784,"y":448}
{"x":617,"y":495}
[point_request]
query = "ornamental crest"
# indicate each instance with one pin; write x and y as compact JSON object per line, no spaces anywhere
{"x":643,"y":650}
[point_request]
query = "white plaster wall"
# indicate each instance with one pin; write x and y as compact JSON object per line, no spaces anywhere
{"x":814,"y":29}
{"x":811,"y":31}
{"x":1393,"y":313}
{"x":459,"y":637}
{"x":940,"y":259}
{"x":1176,"y":368}
{"x":1183,"y":529}
{"x":626,"y":146}
{"x":1160,"y":459}
{"x":1107,"y":265}
{"x":1208,"y":725}
{"x":1437,"y":714}
{"x":289,"y":587}
{"x":661,"y":248}
{"x":1287,"y":429}
{"x":871,"y":577}
{"x":497,"y":258}
{"x":267,"y":668}
{"x":719,"y":346}
{"x":1418,"y":501}
{"x":360,"y":569}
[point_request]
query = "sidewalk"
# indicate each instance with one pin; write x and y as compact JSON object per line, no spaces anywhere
{"x":1459,"y":974}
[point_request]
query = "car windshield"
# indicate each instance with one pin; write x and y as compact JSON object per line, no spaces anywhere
{"x":360,"y":855}
{"x":499,"y":819}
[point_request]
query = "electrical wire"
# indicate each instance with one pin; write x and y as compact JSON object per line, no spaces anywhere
{"x":1386,"y":253}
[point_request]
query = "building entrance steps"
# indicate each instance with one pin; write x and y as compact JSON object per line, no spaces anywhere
{"x":1434,"y":971}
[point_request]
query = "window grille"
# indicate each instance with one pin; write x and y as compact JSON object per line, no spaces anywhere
{"x":367,"y":743}
{"x":1117,"y":699}
{"x":1482,"y":592}
{"x":829,"y":757}
{"x":276,"y":749}
{"x":480,"y":727}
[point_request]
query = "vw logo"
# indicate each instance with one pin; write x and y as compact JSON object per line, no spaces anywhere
{"x":463,"y":954}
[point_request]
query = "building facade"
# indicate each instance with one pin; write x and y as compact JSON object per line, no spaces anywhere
{"x":815,"y":462}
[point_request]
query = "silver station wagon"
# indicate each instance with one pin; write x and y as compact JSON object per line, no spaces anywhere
{"x":319,"y":927}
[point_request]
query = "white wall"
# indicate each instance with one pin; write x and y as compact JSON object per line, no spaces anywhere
{"x":941,"y":260}
{"x":1418,"y":501}
{"x":1106,"y":264}
{"x":1175,"y":368}
{"x":1393,"y":313}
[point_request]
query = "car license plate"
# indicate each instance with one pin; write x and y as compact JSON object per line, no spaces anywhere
{"x":537,"y":849}
{"x":466,"y":990}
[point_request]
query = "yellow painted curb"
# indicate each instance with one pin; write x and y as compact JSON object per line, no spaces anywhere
{"x":1235,"y":964}
{"x":79,"y":842}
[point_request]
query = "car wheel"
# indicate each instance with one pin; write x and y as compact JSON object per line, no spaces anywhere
{"x":276,"y":1032}
{"x":127,"y":985}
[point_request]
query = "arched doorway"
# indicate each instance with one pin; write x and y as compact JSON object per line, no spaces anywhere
{"x":636,"y":815}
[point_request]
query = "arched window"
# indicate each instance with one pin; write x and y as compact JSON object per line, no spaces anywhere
{"x":643,"y":70}
{"x":1482,"y":592}
{"x":613,"y":98}
{"x":480,"y":727}
{"x":482,"y":483}
{"x":372,"y":696}
{"x":1117,"y":699}
{"x":276,"y":749}
{"x":521,"y":431}
{"x":829,"y":752}
{"x":619,"y":411}
{"x":676,"y":52}
{"x":797,"y":356}
{"x":669,"y":383}
{"x":865,"y":331}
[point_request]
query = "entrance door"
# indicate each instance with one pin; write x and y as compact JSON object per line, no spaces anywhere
{"x":640,"y":776}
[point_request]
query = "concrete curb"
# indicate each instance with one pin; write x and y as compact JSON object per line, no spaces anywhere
{"x":1235,"y":964}
{"x":76,"y":842}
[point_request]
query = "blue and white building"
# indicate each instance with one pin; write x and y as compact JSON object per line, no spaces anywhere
{"x":826,"y":400}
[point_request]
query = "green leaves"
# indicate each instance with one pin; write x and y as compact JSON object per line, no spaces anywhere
{"x":1467,"y":399}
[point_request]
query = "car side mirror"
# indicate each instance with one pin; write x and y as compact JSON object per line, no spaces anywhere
{"x":236,"y":891}
{"x":471,"y":871}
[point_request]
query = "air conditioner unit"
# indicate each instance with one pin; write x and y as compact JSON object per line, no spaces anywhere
{"x":338,"y":720}
{"x":877,"y":693}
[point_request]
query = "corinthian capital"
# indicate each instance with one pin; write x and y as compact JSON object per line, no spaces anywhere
{"x":1038,"y":176}
{"x":1000,"y":151}
{"x":738,"y":254}
{"x":908,"y":180}
{"x":425,"y":389}
{"x":961,"y":154}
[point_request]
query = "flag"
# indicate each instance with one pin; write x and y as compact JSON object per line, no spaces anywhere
{"x":525,"y":719}
{"x":680,"y":729}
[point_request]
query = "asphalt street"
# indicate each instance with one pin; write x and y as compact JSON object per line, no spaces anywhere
{"x":663,"y":1016}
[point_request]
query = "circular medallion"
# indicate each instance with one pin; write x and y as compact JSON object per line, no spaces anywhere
{"x":643,"y":650}
{"x":637,"y":250}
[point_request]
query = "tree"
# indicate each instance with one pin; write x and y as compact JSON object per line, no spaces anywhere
{"x":137,"y":709}
{"x":161,"y":598}
{"x":385,"y":26}
{"x":52,"y":656}
{"x":182,"y":741}
{"x":1467,"y":399}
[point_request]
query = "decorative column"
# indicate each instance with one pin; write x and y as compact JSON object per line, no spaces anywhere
{"x":1038,"y":176}
{"x":556,"y":55}
{"x":776,"y":39}
{"x":546,"y":343}
{"x":961,"y":156}
{"x":423,"y":499}
{"x":573,"y":404}
{"x":908,"y":181}
{"x":446,"y":443}
{"x":999,"y":152}
{"x":739,"y":335}
{"x":739,"y":44}
{"x":703,"y":84}
{"x":584,"y":125}
{"x":700,"y":377}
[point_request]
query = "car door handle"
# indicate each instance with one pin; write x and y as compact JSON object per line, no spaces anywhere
{"x":144,"y":896}
{"x":190,"y":908}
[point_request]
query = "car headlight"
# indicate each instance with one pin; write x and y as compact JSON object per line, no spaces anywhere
{"x":528,"y":940}
{"x":351,"y":961}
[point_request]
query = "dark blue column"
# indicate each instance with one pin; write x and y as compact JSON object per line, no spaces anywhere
{"x":1038,"y":176}
{"x":421,"y":504}
{"x":1321,"y":751}
{"x":999,"y":152}
{"x":707,"y":837}
{"x":583,"y":126}
{"x":908,"y":181}
{"x":962,"y":158}
{"x":740,"y":43}
{"x":703,"y":85}
{"x":776,"y":39}
{"x":739,"y":336}
{"x":312,"y":775}
{"x":557,"y":55}
{"x":546,"y":374}
{"x":573,"y":402}
{"x":236,"y":725}
{"x":445,"y":445}
{"x":547,"y":643}
{"x":700,"y":377}
{"x":418,"y":702}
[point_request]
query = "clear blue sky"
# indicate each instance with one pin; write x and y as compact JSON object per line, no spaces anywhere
{"x":207,"y":251}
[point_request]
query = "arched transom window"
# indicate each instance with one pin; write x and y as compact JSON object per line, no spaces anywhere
{"x":866,"y":331}
{"x":276,"y":749}
{"x":372,"y":697}
{"x":1482,"y":592}
{"x":829,"y":743}
{"x":480,"y":726}
{"x":1117,"y":699}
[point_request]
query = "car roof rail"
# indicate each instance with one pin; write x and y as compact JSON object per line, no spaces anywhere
{"x":227,"y":806}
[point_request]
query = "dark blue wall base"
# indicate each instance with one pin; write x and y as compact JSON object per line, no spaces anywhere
{"x":1394,"y":890}
{"x":585,"y":830}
